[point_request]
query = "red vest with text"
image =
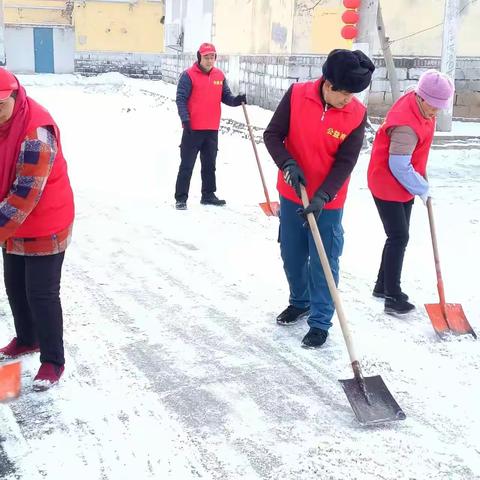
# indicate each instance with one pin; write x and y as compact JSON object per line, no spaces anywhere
{"x":314,"y":138}
{"x":405,"y":112}
{"x":55,"y":209}
{"x":204,"y":104}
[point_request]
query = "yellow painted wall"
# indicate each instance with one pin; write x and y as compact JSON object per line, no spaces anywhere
{"x":318,"y":30}
{"x":281,"y":23}
{"x":99,"y":26}
{"x":326,"y":30}
{"x":278,"y":26}
{"x":423,"y":14}
{"x":254,"y":26}
{"x":119,"y":27}
{"x":26,"y":12}
{"x":232,"y":26}
{"x":317,"y":26}
{"x":247,"y":26}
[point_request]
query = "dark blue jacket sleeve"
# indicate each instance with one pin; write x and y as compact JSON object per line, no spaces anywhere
{"x":184,"y":89}
{"x":227,"y":96}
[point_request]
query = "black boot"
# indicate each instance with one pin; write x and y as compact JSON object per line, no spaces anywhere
{"x":212,"y":199}
{"x":180,"y":205}
{"x":396,"y":305}
{"x":378,"y":292}
{"x":292,"y":315}
{"x":315,"y":338}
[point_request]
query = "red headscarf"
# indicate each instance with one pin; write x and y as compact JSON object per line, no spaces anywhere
{"x":12,"y":134}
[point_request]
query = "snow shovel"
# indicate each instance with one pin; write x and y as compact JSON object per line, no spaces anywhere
{"x":9,"y":380}
{"x":268,"y":207}
{"x":445,"y":317}
{"x":369,"y":397}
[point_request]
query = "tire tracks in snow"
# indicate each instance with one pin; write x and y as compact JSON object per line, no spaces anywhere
{"x":168,"y":378}
{"x":93,"y":438}
{"x":202,"y":393}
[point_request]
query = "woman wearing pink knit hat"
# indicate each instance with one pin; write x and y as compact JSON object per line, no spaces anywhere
{"x":396,"y":174}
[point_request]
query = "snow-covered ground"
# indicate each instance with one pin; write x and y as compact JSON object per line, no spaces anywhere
{"x":175,"y":366}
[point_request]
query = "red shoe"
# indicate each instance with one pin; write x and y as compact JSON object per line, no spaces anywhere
{"x":48,"y":375}
{"x":13,"y":350}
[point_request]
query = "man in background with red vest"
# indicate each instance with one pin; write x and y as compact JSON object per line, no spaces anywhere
{"x":200,"y":91}
{"x":396,"y":174}
{"x":315,"y":137}
{"x":36,"y":219}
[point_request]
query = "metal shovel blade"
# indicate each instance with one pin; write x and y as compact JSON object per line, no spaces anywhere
{"x":453,"y":320}
{"x":380,"y":407}
{"x":10,"y":374}
{"x":271,"y":209}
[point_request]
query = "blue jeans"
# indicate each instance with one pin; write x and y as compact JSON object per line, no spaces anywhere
{"x":308,"y":286}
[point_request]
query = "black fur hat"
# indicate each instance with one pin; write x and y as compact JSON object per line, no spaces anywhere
{"x":347,"y":70}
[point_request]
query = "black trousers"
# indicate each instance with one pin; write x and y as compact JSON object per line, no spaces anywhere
{"x":205,"y":142}
{"x":395,"y":217}
{"x":33,"y":290}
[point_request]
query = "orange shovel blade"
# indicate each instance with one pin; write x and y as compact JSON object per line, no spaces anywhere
{"x":455,"y":322}
{"x":10,"y":380}
{"x":271,"y":209}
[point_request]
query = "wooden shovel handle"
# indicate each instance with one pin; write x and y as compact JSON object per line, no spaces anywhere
{"x":436,"y":256}
{"x":257,"y":158}
{"x":331,"y":285}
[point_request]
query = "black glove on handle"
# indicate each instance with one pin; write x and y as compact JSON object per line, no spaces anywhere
{"x":293,"y":176}
{"x":316,"y":204}
{"x":239,"y":99}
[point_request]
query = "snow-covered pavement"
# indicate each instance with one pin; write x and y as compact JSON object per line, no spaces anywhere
{"x":175,"y":366}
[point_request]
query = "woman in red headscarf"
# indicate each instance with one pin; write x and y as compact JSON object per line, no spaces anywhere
{"x":36,"y":218}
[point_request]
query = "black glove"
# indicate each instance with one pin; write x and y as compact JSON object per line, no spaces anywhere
{"x":186,"y":127}
{"x":239,"y":99}
{"x":316,"y":205}
{"x":293,"y":176}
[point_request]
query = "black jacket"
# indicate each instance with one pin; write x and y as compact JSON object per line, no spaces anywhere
{"x":345,"y":159}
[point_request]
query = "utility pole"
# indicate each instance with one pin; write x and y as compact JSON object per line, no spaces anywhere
{"x":367,"y":31}
{"x":449,"y":57}
{"x":388,"y":57}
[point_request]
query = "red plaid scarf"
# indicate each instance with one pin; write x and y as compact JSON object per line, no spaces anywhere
{"x":12,"y":134}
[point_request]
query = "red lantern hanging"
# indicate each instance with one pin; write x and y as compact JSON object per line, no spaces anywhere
{"x":349,"y":32}
{"x":351,"y":3}
{"x":350,"y":17}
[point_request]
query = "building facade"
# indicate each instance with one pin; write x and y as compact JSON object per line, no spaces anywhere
{"x":254,"y":26}
{"x":310,"y":26}
{"x":39,"y":36}
{"x":48,"y":36}
{"x":263,"y":45}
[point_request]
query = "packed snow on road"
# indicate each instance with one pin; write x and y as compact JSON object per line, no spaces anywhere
{"x":175,"y":367}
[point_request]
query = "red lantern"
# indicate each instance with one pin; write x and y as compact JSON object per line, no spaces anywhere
{"x":349,"y":32}
{"x":350,"y":17}
{"x":351,"y":3}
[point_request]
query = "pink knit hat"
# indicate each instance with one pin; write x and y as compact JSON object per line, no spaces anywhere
{"x":435,"y":88}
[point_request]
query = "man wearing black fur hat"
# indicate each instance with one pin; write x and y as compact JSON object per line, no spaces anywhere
{"x":315,"y":137}
{"x":200,"y":91}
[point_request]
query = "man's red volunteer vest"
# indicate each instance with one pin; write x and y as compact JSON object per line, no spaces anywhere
{"x":55,"y":209}
{"x":405,"y":112}
{"x":204,"y":104}
{"x":314,"y":138}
